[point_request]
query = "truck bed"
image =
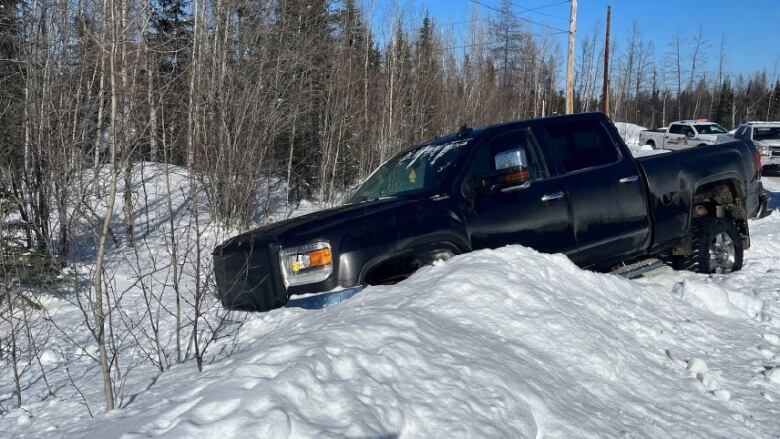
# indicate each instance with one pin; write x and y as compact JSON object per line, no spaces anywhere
{"x":672,"y":177}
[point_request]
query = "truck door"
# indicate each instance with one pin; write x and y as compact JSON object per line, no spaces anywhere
{"x":674,"y":137}
{"x":511,"y":199}
{"x":606,"y":192}
{"x":677,"y":136}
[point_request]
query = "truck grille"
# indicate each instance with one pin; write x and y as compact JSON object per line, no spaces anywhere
{"x":246,"y":279}
{"x":776,"y":152}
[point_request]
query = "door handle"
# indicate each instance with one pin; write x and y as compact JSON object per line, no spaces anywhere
{"x":552,"y":196}
{"x":630,"y":179}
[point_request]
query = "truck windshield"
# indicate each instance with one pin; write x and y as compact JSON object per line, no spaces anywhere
{"x":420,"y":170}
{"x":766,"y":133}
{"x":710,"y":129}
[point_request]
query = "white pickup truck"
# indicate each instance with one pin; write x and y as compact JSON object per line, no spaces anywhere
{"x":766,"y":137}
{"x":685,"y":134}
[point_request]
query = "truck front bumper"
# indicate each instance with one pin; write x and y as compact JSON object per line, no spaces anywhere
{"x":770,"y":160}
{"x":321,"y":300}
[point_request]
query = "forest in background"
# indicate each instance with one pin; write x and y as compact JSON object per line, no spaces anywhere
{"x":304,"y":91}
{"x":254,"y":98}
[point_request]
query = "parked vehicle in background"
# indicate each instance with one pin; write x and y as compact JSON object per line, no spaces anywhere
{"x":685,"y":134}
{"x":766,"y":137}
{"x":565,"y":184}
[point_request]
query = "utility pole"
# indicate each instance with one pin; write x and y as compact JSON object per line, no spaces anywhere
{"x":605,"y":89}
{"x":570,"y":59}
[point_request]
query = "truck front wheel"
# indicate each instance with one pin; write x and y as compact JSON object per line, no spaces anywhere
{"x":717,"y":247}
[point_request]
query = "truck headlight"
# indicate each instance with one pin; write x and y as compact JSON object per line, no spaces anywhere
{"x":306,"y":264}
{"x":765,"y":150}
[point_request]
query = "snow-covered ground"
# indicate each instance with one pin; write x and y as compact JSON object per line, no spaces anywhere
{"x":503,"y":343}
{"x":772,"y":189}
{"x":630,"y":134}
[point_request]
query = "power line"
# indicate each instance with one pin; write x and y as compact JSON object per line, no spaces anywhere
{"x":520,"y":18}
{"x":467,"y":46}
{"x":536,"y":10}
{"x":455,"y":23}
{"x":491,"y":43}
{"x":487,"y":6}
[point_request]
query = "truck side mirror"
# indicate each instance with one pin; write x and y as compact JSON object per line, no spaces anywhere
{"x":690,"y":134}
{"x":514,"y":158}
{"x":511,"y":171}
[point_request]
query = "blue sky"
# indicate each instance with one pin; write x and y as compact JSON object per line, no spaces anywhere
{"x":750,"y":29}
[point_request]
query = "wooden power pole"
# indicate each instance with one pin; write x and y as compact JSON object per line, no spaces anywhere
{"x":570,"y":59}
{"x":605,"y":88}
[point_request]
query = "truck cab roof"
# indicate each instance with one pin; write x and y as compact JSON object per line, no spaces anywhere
{"x":760,"y":123}
{"x":694,"y":121}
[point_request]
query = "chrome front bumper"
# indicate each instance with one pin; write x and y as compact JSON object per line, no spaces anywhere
{"x":767,"y":160}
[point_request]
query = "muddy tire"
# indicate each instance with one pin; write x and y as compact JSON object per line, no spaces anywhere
{"x":716,"y":245}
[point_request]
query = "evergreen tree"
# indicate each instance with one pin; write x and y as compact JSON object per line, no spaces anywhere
{"x":774,"y":109}
{"x":305,"y":44}
{"x":428,"y":82}
{"x":11,"y":82}
{"x":172,"y":27}
{"x":171,"y":42}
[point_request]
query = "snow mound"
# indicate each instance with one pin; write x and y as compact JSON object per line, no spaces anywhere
{"x":503,"y":343}
{"x":629,"y":132}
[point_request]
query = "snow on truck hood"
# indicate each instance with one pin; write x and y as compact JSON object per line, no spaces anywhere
{"x":503,"y":343}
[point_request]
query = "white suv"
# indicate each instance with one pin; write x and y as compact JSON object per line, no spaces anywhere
{"x":766,"y":137}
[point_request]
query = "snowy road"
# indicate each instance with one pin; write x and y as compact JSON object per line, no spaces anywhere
{"x":772,"y":187}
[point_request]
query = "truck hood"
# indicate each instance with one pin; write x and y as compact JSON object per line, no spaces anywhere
{"x":301,"y":229}
{"x":723,"y":138}
{"x":709,"y":137}
{"x":772,"y":142}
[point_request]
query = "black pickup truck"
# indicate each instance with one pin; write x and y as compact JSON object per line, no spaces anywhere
{"x":565,"y":184}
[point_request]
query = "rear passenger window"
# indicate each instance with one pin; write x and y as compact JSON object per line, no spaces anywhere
{"x":675,"y":129}
{"x":582,"y":145}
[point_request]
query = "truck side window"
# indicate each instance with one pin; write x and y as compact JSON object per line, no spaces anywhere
{"x":582,"y":145}
{"x":483,"y":164}
{"x":675,"y":129}
{"x":686,"y":130}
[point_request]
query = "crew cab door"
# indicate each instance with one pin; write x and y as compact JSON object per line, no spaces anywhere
{"x":510,"y":198}
{"x":606,"y":191}
{"x":677,"y":136}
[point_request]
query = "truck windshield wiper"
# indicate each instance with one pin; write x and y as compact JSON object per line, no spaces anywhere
{"x":371,"y":200}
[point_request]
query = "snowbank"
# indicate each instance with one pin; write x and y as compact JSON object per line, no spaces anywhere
{"x":504,"y":343}
{"x":629,"y":132}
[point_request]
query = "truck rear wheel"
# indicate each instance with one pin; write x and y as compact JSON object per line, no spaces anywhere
{"x":717,"y":247}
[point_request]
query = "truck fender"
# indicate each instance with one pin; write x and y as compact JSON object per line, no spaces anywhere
{"x":424,"y":250}
{"x":733,"y":203}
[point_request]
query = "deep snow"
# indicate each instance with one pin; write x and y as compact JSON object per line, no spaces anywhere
{"x":503,"y":343}
{"x":629,"y":132}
